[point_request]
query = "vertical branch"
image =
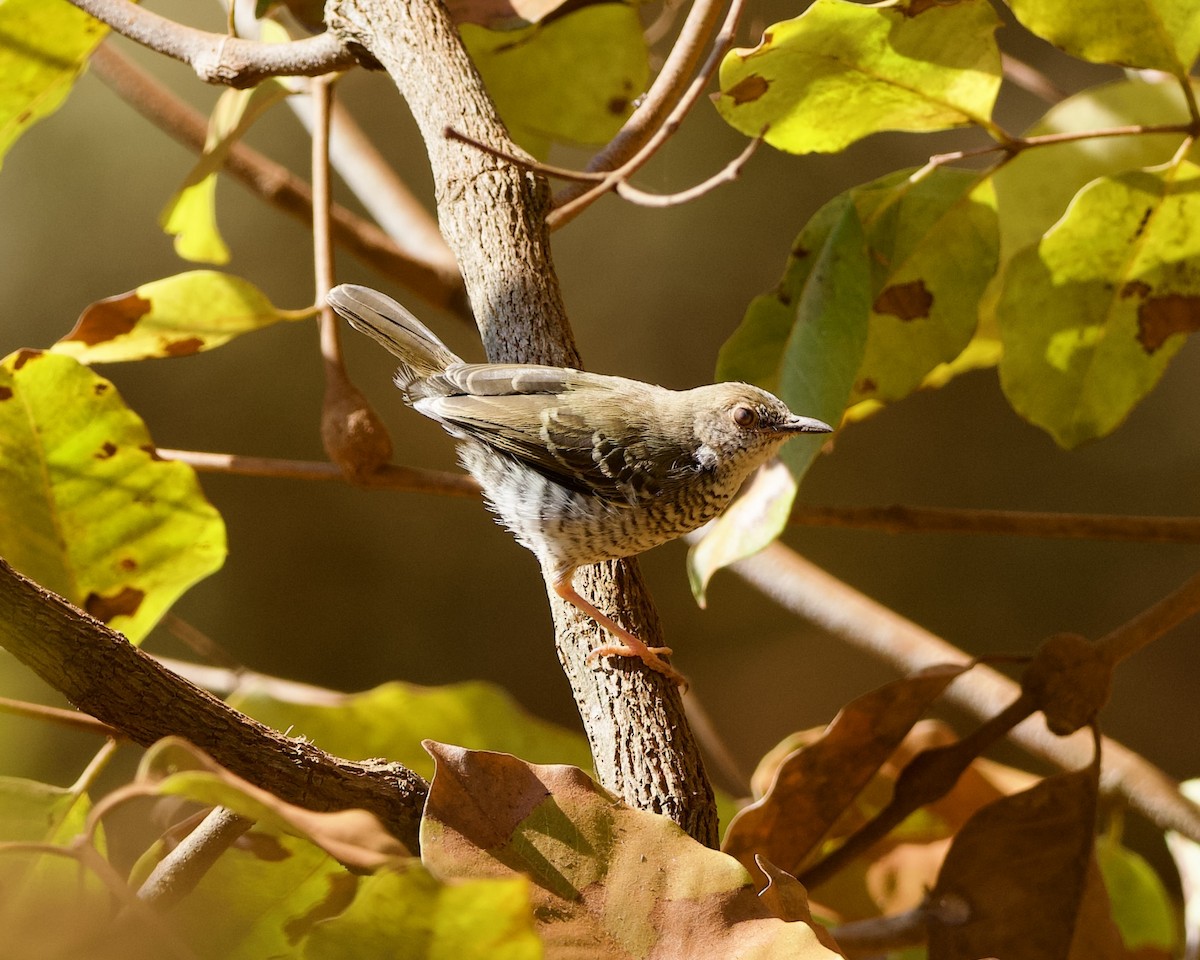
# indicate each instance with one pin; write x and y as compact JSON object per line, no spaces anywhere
{"x":493,"y":216}
{"x":353,"y":435}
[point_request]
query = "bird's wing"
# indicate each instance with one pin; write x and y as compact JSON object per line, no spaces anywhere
{"x":532,"y":413}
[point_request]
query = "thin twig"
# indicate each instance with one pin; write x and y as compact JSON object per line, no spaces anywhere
{"x":816,"y":596}
{"x":199,"y":642}
{"x":882,"y":936}
{"x":331,"y":341}
{"x":64,"y":718}
{"x":728,"y":174}
{"x":429,"y":278}
{"x":663,"y":95}
{"x":570,"y":209}
{"x":1153,"y":622}
{"x":529,"y":163}
{"x":224,"y":682}
{"x":388,"y":477}
{"x":178,"y":873}
{"x":218,"y":57}
{"x":1030,"y":79}
{"x":1063,"y":526}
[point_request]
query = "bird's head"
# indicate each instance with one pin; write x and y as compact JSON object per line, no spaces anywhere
{"x":746,"y":425}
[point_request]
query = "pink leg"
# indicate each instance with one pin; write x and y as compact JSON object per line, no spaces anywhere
{"x":630,"y":646}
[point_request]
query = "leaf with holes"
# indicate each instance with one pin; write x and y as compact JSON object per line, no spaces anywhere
{"x":90,"y":511}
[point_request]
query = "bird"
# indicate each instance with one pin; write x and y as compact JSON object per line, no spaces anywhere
{"x":582,"y":467}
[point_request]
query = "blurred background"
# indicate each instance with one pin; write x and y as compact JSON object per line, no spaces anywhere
{"x":349,"y":588}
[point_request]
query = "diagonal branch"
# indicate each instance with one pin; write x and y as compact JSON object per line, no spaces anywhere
{"x":218,"y":57}
{"x":104,"y":675}
{"x":433,"y":279}
{"x":816,"y":596}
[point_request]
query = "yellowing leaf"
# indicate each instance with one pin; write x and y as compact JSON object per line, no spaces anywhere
{"x":391,"y":720}
{"x":44,"y":45}
{"x":191,"y":215}
{"x":606,"y":880}
{"x":1091,"y":316}
{"x":841,"y":71}
{"x":173,"y":317}
{"x":752,"y":521}
{"x":409,"y":914}
{"x":1159,"y":34}
{"x":933,"y":247}
{"x":571,"y":79}
{"x":89,"y":511}
{"x":1142,"y":908}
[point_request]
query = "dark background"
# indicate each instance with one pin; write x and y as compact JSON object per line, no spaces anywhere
{"x":346,"y":588}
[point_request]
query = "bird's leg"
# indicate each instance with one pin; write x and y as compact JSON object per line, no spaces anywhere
{"x":630,"y":645}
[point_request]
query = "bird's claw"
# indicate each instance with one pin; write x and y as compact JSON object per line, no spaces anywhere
{"x":650,"y":656}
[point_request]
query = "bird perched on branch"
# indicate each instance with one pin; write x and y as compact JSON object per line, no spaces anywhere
{"x":582,"y":467}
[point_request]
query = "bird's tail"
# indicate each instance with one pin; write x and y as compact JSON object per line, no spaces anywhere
{"x":382,"y":318}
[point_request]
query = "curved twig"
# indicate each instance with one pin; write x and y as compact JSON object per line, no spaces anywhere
{"x":217,"y":57}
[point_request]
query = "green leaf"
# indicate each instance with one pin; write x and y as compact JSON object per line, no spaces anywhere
{"x":191,"y":215}
{"x":392,"y":720}
{"x":804,"y":341}
{"x":53,"y":901}
{"x":173,"y":317}
{"x":933,"y":245}
{"x":1141,"y":906}
{"x":91,"y":513}
{"x":841,"y":71}
{"x":1157,"y":34}
{"x":1091,"y":316}
{"x":607,"y":880}
{"x":408,"y":915}
{"x":44,"y":46}
{"x":260,"y":897}
{"x":571,"y":79}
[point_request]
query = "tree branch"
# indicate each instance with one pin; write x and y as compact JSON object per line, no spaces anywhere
{"x":218,"y":57}
{"x":1063,"y":526}
{"x":104,"y":675}
{"x":493,"y":216}
{"x":435,"y":280}
{"x":819,"y":598}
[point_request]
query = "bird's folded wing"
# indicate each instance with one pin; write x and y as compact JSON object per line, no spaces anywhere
{"x":558,"y":442}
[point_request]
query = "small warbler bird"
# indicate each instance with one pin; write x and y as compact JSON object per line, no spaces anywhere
{"x":582,"y":467}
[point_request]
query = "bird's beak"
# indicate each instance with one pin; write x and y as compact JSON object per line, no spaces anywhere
{"x":805,"y":425}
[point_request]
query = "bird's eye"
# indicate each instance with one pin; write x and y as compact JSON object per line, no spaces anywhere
{"x":744,"y":416}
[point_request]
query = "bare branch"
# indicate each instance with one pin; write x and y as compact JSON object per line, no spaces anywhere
{"x":66,"y":718}
{"x":218,"y":57}
{"x":567,"y":210}
{"x":388,"y":477}
{"x":663,"y":95}
{"x":1153,"y":622}
{"x":103,"y":674}
{"x":178,"y":873}
{"x":1030,"y":79}
{"x":730,"y":172}
{"x":434,"y":280}
{"x":816,"y":596}
{"x":1062,"y":526}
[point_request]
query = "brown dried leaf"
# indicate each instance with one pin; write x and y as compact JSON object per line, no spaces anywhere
{"x":815,"y":785}
{"x":1070,"y":679}
{"x":1014,"y":879}
{"x":607,"y":880}
{"x":787,"y":899}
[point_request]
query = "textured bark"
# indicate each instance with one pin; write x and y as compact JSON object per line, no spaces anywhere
{"x":492,"y":215}
{"x":102,"y":673}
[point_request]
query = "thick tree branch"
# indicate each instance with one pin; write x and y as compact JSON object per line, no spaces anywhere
{"x":493,"y":216}
{"x":104,"y":675}
{"x":218,"y":57}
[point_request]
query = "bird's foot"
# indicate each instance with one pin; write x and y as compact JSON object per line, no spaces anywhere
{"x":650,"y":656}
